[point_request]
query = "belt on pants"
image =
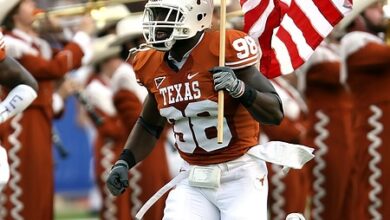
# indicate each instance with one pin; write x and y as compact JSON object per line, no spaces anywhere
{"x":277,"y":152}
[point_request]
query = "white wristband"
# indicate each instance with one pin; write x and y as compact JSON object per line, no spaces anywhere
{"x":17,"y":100}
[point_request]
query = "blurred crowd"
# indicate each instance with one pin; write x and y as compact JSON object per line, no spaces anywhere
{"x":338,"y":102}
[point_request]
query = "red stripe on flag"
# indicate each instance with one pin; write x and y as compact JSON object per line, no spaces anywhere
{"x":329,"y":11}
{"x":285,"y":37}
{"x":304,"y":24}
{"x":269,"y":65}
{"x":273,"y":21}
{"x":242,"y":2}
{"x":253,"y":15}
{"x":274,"y":68}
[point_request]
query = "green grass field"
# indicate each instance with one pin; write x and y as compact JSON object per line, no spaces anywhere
{"x":73,"y":209}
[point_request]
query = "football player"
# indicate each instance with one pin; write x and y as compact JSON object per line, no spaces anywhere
{"x":23,"y":91}
{"x":181,"y":73}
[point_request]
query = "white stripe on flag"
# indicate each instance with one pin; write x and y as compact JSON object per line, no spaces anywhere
{"x":304,"y":50}
{"x":249,"y":5}
{"x":319,"y":22}
{"x":258,"y":27}
{"x":282,"y":55}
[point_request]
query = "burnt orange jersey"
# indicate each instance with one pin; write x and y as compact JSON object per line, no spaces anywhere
{"x":2,"y":47}
{"x":189,"y":102}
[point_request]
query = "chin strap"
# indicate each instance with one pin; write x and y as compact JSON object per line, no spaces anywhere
{"x":169,"y":44}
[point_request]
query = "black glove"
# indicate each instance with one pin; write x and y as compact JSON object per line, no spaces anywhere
{"x":225,"y":78}
{"x":118,"y":178}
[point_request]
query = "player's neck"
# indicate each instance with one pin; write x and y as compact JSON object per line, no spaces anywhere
{"x":181,"y":47}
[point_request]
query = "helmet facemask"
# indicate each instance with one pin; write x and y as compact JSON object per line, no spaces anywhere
{"x":166,"y":21}
{"x":161,"y":25}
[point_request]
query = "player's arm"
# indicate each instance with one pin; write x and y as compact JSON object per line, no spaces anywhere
{"x":253,"y":90}
{"x":244,"y":82}
{"x":146,"y":131}
{"x":139,"y":145}
{"x":260,"y":97}
{"x":23,"y":88}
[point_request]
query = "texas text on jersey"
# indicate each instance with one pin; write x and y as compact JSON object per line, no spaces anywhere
{"x":189,"y":102}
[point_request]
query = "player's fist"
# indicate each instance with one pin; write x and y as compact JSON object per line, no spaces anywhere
{"x":225,"y":78}
{"x":118,"y":178}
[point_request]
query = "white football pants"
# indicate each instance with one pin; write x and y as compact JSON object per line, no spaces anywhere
{"x":242,"y":194}
{"x":4,"y":168}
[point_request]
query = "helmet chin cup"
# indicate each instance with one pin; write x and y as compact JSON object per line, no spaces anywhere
{"x":165,"y":46}
{"x":169,"y":44}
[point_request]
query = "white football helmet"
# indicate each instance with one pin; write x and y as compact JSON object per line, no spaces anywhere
{"x":181,"y":19}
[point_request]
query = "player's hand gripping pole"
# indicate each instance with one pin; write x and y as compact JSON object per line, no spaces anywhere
{"x":222,"y":38}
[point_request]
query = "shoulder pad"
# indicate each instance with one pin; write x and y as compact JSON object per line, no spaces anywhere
{"x":230,"y":35}
{"x":145,"y":63}
{"x":241,"y":50}
{"x":142,"y":57}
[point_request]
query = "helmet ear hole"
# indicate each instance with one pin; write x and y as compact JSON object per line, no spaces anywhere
{"x":198,"y":2}
{"x":200,"y":17}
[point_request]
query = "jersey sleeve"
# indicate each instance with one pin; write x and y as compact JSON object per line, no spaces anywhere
{"x":139,"y":65}
{"x":241,"y":50}
{"x":135,"y":62}
{"x":145,"y":64}
{"x":2,"y":48}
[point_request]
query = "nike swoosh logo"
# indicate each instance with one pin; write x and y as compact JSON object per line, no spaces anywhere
{"x":190,"y":76}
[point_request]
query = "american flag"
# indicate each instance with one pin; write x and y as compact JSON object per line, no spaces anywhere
{"x":289,"y":30}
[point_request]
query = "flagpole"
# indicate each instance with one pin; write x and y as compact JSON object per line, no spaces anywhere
{"x":222,"y":38}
